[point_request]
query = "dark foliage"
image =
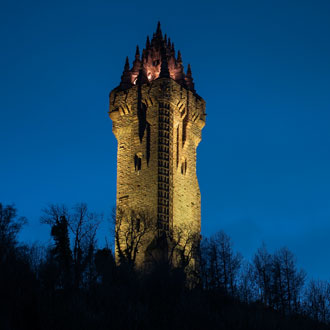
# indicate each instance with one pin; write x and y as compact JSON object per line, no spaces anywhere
{"x":73,"y":285}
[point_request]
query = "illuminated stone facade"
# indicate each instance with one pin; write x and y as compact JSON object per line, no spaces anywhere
{"x":157,"y":120}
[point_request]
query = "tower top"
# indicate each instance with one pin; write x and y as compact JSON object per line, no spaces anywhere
{"x":158,"y":60}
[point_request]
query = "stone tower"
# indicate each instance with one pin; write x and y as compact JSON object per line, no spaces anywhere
{"x":157,"y":120}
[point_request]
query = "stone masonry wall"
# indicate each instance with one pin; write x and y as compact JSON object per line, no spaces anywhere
{"x":146,"y":140}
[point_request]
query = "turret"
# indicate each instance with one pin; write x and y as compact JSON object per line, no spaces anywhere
{"x":189,"y":79}
{"x":180,"y":76}
{"x":157,"y":120}
{"x":126,"y":76}
{"x":136,"y":66}
{"x":159,"y":31}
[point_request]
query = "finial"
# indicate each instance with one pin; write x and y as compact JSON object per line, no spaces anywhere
{"x":169,"y":43}
{"x":137,"y":53}
{"x":148,"y":42}
{"x":165,"y":37}
{"x":189,"y":74}
{"x":126,"y":67}
{"x":159,"y":31}
{"x":172,"y":48}
{"x":137,"y":61}
{"x":179,"y":60}
{"x":158,"y":27}
{"x":180,"y":77}
{"x":189,"y":79}
{"x":126,"y":76}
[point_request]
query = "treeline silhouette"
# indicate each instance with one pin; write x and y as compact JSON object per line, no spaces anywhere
{"x":74,"y":284}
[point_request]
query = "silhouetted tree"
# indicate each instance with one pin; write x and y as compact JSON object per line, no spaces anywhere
{"x":59,"y":259}
{"x":317,"y":301}
{"x":287,"y":281}
{"x":82,"y":225}
{"x":222,"y":264}
{"x":185,"y":248}
{"x":105,"y":266}
{"x":247,"y":287}
{"x":100,"y":294}
{"x":132,"y":231}
{"x":10,"y":226}
{"x":18,"y":285}
{"x":262,"y":262}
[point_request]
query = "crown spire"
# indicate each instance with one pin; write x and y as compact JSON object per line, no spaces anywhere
{"x":126,"y":67}
{"x":189,"y":73}
{"x":189,"y":79}
{"x":172,"y":49}
{"x":126,"y":76}
{"x":180,"y":76}
{"x":158,"y":31}
{"x":158,"y":59}
{"x":179,"y":60}
{"x":137,"y":53}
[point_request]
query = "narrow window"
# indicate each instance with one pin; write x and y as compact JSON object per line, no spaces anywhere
{"x":184,"y":129}
{"x":184,"y":167}
{"x":138,"y":223}
{"x":177,"y":145}
{"x":138,"y":162}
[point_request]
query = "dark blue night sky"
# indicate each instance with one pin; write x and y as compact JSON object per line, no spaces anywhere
{"x":263,"y":68}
